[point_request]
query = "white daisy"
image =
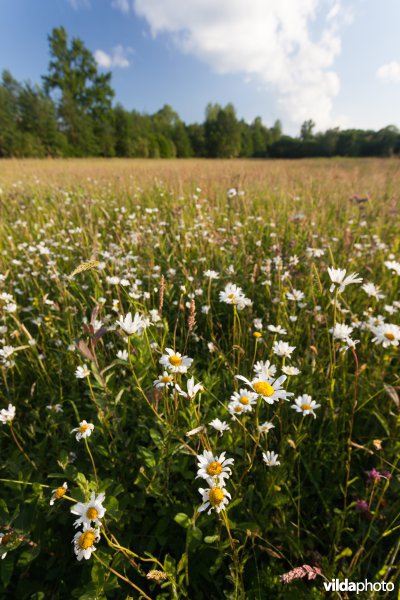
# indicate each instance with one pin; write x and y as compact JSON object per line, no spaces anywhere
{"x":192,"y":389}
{"x":82,"y":372}
{"x":84,"y":541}
{"x":264,"y":368}
{"x":163,"y":381}
{"x":306,"y":405}
{"x":277,"y":329}
{"x":220,"y":426}
{"x":373,"y":290}
{"x":123,"y":355}
{"x":214,"y":469}
{"x":386,"y":334}
{"x":338,"y":278}
{"x":341,"y":331}
{"x":271,"y":459}
{"x":136,"y":325}
{"x":393,"y":265}
{"x":89,"y":512}
{"x":295,"y":295}
{"x":291,"y":370}
{"x":265,"y":427}
{"x":175,"y":362}
{"x":58,"y":493}
{"x":245,"y":398}
{"x":84,"y":430}
{"x":7,"y":415}
{"x":282,"y":349}
{"x":216,"y":497}
{"x":271,"y":391}
{"x":235,"y":409}
{"x":233,"y":294}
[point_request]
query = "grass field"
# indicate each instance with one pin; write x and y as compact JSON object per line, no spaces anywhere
{"x":132,"y":296}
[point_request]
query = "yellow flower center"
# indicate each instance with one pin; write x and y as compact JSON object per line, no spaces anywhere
{"x":175,"y":360}
{"x":244,"y":400}
{"x":257,"y":334}
{"x":166,"y":378}
{"x":86,"y":540}
{"x":216,"y":496}
{"x":306,"y":407}
{"x":389,"y":336}
{"x":92,"y":513}
{"x":59,"y":493}
{"x":83,"y":428}
{"x":231,"y":296}
{"x":238,"y":408}
{"x":214,"y":468}
{"x":263,"y":388}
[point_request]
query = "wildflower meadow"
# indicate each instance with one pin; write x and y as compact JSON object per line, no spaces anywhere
{"x":199,"y":378}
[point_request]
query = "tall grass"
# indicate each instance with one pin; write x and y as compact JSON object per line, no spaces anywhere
{"x":143,"y":234}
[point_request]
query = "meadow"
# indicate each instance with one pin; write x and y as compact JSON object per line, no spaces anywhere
{"x":199,"y":378}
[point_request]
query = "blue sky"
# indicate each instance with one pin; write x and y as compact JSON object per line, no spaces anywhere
{"x":337,"y":62}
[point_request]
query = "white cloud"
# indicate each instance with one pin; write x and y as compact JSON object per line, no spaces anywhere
{"x":271,"y":41}
{"x":118,"y":57}
{"x":389,"y":73}
{"x":122,"y":5}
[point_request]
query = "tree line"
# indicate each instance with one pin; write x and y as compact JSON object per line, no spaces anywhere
{"x":72,"y":115}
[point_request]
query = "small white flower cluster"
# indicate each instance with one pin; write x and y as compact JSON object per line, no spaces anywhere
{"x":215,"y":470}
{"x":89,"y":515}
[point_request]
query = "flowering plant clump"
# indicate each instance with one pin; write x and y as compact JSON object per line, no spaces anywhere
{"x":199,"y":391}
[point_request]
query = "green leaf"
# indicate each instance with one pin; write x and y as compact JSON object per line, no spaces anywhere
{"x":183,"y":520}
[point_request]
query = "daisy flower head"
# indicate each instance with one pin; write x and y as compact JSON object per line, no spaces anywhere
{"x":306,"y":405}
{"x":192,"y":389}
{"x":341,"y":331}
{"x":163,"y":381}
{"x":264,"y":369}
{"x":81,"y":372}
{"x":283,"y":349}
{"x":83,"y":431}
{"x":175,"y":362}
{"x":245,"y":398}
{"x":233,"y":294}
{"x":373,"y":291}
{"x":84,"y":541}
{"x":277,"y":329}
{"x":269,"y":390}
{"x":136,"y":325}
{"x":386,"y":334}
{"x":265,"y":427}
{"x":89,"y":512}
{"x":393,"y":265}
{"x":339,"y":279}
{"x":291,"y":371}
{"x":58,"y":493}
{"x":216,"y":497}
{"x":211,"y":274}
{"x":295,"y":295}
{"x":123,"y":355}
{"x":220,"y":426}
{"x":7,"y":415}
{"x":215,"y":469}
{"x":236,"y":409}
{"x":271,"y":459}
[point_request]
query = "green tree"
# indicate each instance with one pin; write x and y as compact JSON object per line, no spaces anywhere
{"x":82,"y":94}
